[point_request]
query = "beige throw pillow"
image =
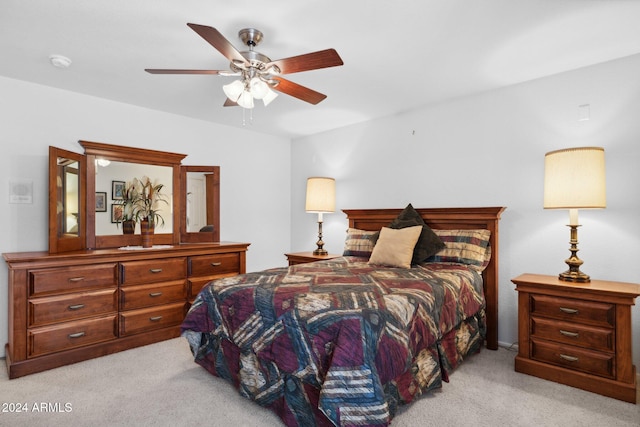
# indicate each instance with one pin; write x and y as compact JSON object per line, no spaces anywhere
{"x":395,"y":247}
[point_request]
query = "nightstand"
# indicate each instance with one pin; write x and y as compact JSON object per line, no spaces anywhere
{"x":304,"y":257}
{"x":578,"y":334}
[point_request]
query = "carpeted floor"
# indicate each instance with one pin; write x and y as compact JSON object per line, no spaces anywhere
{"x":160,"y":385}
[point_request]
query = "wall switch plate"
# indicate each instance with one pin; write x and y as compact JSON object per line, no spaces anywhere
{"x":583,"y":112}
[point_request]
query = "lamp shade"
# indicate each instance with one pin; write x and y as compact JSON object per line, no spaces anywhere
{"x":233,"y":90}
{"x":321,"y":195}
{"x":574,"y":178}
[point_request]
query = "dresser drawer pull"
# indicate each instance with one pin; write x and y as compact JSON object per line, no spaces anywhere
{"x":76,"y":279}
{"x":155,"y":318}
{"x":569,"y":334}
{"x":155,"y":294}
{"x":216,"y":264}
{"x":155,"y":270}
{"x":568,"y":358}
{"x":568,"y":310}
{"x":76,"y":335}
{"x":76,"y":307}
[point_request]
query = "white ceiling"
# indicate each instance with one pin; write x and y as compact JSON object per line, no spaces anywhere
{"x":398,"y":55}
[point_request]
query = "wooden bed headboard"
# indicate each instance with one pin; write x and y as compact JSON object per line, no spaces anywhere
{"x":450,"y":219}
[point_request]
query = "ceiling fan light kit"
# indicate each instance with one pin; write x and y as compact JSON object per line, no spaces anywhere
{"x":259,"y":76}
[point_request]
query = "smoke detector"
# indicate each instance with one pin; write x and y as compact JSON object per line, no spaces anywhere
{"x":59,"y":61}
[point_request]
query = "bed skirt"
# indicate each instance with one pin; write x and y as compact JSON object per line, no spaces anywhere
{"x":296,"y":400}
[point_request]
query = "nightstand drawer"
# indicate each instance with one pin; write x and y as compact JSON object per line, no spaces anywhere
{"x":574,"y":310}
{"x":586,"y":336}
{"x":574,"y":358}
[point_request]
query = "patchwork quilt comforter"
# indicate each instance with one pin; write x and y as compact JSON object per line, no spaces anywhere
{"x":337,"y":342}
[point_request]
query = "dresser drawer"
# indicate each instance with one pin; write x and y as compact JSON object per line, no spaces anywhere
{"x":49,"y":339}
{"x":593,"y":337}
{"x":150,"y":295}
{"x":152,"y":271}
{"x":209,"y":265}
{"x":71,"y":279}
{"x":146,"y":319}
{"x":197,"y":283}
{"x":574,"y":358}
{"x":47,"y":310}
{"x":574,"y":310}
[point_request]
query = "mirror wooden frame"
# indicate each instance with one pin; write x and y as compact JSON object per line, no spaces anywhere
{"x":212,"y":203}
{"x":58,"y":240}
{"x":95,"y":150}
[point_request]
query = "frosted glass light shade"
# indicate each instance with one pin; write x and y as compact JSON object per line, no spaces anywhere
{"x":321,"y":195}
{"x":245,"y":100}
{"x":259,"y":88}
{"x":574,"y":178}
{"x":270,"y":96}
{"x":233,"y":90}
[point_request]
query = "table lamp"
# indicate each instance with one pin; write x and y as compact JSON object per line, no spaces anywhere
{"x":321,"y":198}
{"x":574,"y":178}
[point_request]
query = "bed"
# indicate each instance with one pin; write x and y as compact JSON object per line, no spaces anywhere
{"x":346,"y":341}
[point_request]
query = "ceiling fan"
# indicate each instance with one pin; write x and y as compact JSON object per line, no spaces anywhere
{"x":259,"y":74}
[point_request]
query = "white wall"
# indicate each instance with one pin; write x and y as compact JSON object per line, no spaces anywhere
{"x":255,"y":168}
{"x":488,"y":150}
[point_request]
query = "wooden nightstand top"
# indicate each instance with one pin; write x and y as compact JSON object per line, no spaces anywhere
{"x":303,"y":257}
{"x":600,"y":287}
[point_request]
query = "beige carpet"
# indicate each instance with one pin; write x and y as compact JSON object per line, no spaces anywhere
{"x":160,"y":385}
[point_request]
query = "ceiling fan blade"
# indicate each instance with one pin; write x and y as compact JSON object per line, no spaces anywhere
{"x":218,"y":41}
{"x":229,"y":103}
{"x":309,"y":61}
{"x":298,"y":91}
{"x":168,"y":71}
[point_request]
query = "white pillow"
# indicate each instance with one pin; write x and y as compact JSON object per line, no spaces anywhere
{"x":395,"y":246}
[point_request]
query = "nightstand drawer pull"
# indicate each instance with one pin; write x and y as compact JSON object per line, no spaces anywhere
{"x":76,"y":307}
{"x":155,"y":318}
{"x":76,"y":279}
{"x":155,"y":270}
{"x":76,"y":335}
{"x":155,"y":294}
{"x":216,"y":264}
{"x":568,"y":358}
{"x":569,"y":334}
{"x":568,"y":310}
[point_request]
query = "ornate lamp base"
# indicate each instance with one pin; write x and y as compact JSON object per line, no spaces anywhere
{"x":573,"y":274}
{"x":320,"y":243}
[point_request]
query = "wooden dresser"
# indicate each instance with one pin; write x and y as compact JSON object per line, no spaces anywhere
{"x":578,"y":334}
{"x":74,"y":306}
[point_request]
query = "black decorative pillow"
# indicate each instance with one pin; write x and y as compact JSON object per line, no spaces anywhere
{"x":428,"y":242}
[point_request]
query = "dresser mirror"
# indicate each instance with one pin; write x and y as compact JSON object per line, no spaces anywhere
{"x":84,"y":194}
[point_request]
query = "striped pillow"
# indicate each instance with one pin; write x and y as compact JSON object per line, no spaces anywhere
{"x":469,"y":247}
{"x":360,"y":243}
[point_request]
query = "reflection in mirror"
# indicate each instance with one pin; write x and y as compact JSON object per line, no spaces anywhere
{"x":200,"y":210}
{"x":69,"y":205}
{"x":114,"y":176}
{"x":196,"y":201}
